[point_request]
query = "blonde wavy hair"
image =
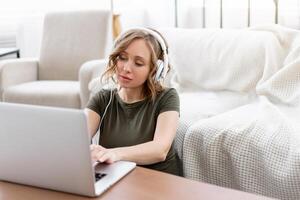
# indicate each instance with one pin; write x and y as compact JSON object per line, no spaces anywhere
{"x":151,"y":86}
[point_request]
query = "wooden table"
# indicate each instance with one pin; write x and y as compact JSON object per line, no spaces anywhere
{"x":139,"y":184}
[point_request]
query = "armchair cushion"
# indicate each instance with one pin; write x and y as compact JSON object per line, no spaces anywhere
{"x":70,"y":39}
{"x":49,"y":93}
{"x":16,"y":71}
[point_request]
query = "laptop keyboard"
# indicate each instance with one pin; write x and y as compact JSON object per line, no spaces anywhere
{"x":98,"y":176}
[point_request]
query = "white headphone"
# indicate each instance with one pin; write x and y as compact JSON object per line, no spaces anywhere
{"x":162,"y":65}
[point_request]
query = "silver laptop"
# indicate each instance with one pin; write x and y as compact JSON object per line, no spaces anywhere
{"x":49,"y":147}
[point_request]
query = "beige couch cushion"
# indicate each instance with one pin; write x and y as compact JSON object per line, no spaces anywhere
{"x":50,"y":93}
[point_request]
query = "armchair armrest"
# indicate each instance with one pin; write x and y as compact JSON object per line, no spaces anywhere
{"x":17,"y":71}
{"x":89,"y":71}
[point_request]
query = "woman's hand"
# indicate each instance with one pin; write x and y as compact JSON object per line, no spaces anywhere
{"x":102,"y":154}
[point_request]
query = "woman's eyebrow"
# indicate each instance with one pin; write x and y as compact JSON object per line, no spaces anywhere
{"x":140,"y":57}
{"x":136,"y":56}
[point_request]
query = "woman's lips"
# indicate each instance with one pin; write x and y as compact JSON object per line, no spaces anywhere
{"x":125,"y":78}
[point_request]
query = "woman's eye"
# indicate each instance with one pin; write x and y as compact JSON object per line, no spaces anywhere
{"x":139,"y":64}
{"x":122,"y":57}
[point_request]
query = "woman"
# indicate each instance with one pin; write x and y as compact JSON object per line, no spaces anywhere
{"x":137,"y":121}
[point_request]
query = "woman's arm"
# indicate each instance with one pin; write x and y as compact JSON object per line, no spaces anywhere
{"x":93,"y":120}
{"x":146,"y":153}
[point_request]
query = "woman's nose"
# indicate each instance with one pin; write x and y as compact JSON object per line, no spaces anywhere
{"x":127,"y":66}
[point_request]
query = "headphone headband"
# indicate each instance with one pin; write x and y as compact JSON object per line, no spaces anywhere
{"x":163,"y":46}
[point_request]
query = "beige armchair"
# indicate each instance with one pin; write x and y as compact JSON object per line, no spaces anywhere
{"x":69,"y":40}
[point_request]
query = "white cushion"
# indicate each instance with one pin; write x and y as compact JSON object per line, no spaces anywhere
{"x":204,"y":104}
{"x":48,"y":93}
{"x":221,"y":59}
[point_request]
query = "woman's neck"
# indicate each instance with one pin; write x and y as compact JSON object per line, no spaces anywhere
{"x":130,"y":95}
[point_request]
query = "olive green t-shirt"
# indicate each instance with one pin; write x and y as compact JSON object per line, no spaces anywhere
{"x":127,"y":124}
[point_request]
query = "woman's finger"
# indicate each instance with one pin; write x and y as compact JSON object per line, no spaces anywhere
{"x":106,"y":157}
{"x":99,"y":155}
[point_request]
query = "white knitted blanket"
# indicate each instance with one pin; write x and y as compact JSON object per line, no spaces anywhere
{"x":254,"y":147}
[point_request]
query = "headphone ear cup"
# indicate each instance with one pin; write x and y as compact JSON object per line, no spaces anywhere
{"x":160,"y":67}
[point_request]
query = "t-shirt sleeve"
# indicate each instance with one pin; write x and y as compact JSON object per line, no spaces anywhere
{"x":169,"y":102}
{"x":97,"y":101}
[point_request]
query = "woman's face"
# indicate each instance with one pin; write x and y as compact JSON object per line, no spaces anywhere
{"x":133,"y":65}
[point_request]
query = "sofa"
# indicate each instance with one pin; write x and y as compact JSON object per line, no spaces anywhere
{"x":240,"y":101}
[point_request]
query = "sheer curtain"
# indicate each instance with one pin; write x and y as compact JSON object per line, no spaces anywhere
{"x":21,"y":21}
{"x":16,"y":11}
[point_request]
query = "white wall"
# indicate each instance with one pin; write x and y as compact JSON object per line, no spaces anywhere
{"x":289,"y":13}
{"x":212,"y":14}
{"x":235,"y":13}
{"x":190,"y":14}
{"x":29,"y":36}
{"x":154,"y":13}
{"x":262,"y":12}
